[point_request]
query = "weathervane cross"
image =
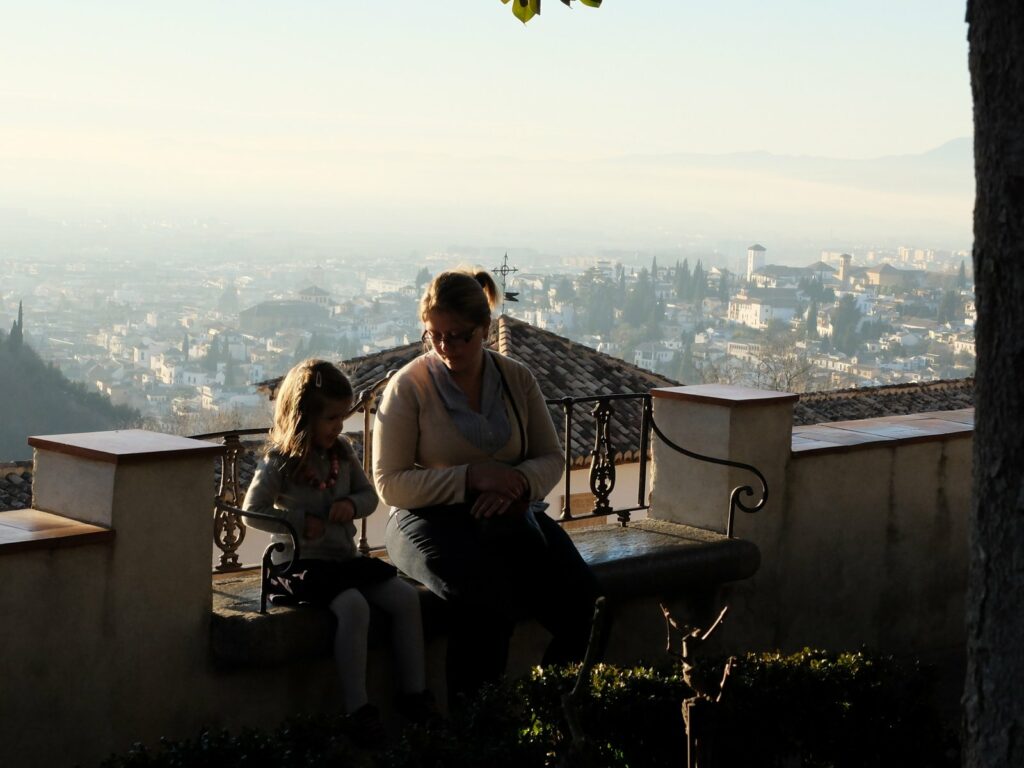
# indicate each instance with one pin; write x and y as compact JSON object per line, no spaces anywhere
{"x":505,"y":270}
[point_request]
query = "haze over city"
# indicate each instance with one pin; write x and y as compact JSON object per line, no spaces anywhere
{"x":418,"y":125}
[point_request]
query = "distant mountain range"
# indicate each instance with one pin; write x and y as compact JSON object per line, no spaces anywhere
{"x":947,"y":169}
{"x":541,"y":199}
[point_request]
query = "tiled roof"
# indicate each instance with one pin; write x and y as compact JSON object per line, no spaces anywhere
{"x":891,"y":400}
{"x":566,"y":369}
{"x":364,"y":371}
{"x":361,"y":371}
{"x":15,"y":485}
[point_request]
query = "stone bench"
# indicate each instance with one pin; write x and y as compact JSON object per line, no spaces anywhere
{"x":646,"y":559}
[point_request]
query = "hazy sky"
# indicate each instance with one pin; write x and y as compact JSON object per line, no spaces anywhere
{"x":451,"y":116}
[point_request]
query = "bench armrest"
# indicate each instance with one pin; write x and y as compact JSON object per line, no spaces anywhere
{"x":268,"y":568}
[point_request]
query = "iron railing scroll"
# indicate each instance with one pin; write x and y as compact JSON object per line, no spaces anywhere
{"x":269,"y":570}
{"x":229,"y":528}
{"x":602,"y":477}
{"x":735,"y":502}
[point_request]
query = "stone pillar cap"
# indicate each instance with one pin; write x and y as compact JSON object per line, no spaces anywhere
{"x":125,"y":446}
{"x":724,"y":394}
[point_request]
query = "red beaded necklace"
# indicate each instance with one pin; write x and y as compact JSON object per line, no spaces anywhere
{"x":314,"y":479}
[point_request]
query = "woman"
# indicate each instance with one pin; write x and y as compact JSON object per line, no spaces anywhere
{"x":465,"y":452}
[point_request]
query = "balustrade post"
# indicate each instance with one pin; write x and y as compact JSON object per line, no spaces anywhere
{"x":602,"y":461}
{"x":228,"y":528}
{"x":567,"y":407}
{"x":738,"y":424}
{"x":364,"y":543}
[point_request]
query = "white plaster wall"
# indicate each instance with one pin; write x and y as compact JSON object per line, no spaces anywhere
{"x":105,"y":643}
{"x":82,"y":487}
{"x":871,"y":550}
{"x":695,"y":492}
{"x":863,"y":546}
{"x":875,"y":548}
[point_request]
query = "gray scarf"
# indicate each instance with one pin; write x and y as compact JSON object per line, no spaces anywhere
{"x":488,"y":430}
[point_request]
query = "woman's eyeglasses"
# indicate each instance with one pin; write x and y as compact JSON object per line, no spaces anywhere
{"x":450,"y":340}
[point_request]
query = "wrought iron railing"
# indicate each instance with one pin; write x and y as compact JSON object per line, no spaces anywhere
{"x":599,"y":432}
{"x":595,"y":427}
{"x":602,"y":457}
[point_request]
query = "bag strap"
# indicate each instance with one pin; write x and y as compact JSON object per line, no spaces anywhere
{"x":515,"y":408}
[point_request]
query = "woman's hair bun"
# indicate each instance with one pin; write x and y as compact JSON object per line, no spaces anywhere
{"x":490,"y":287}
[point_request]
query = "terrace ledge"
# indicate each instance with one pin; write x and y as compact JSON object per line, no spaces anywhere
{"x":22,"y":530}
{"x":126,"y":446}
{"x":724,"y":394}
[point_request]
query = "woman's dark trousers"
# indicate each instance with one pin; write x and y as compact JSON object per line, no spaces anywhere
{"x":490,"y":579}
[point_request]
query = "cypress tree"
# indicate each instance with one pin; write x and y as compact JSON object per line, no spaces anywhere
{"x":17,"y":329}
{"x":698,"y":284}
{"x":683,"y":281}
{"x":811,"y":326}
{"x":723,"y":287}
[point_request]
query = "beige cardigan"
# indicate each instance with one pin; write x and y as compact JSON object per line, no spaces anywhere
{"x":420,"y":458}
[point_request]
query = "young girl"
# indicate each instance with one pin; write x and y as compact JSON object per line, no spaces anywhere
{"x":311,"y":478}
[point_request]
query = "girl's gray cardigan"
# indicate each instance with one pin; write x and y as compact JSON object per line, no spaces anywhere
{"x":275,"y":491}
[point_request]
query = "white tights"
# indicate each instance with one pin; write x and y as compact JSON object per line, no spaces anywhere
{"x":401,"y":603}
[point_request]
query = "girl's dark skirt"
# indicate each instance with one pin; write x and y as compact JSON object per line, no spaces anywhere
{"x":318,"y":582}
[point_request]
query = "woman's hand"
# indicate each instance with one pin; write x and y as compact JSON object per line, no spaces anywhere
{"x":494,"y":477}
{"x":313,"y":528}
{"x":342,"y":511}
{"x":489,"y":504}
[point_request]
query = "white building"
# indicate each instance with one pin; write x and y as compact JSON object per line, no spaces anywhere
{"x":758,"y":311}
{"x":652,"y":355}
{"x":755,"y":259}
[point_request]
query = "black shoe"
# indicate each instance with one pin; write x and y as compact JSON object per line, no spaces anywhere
{"x":365,"y":728}
{"x":417,"y":707}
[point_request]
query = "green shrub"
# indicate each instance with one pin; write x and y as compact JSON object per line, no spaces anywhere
{"x":840,"y":710}
{"x":633,"y":715}
{"x":812,"y":709}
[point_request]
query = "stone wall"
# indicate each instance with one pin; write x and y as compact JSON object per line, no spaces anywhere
{"x":864,"y":535}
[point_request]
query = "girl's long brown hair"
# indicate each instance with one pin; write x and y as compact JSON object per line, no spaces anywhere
{"x":301,"y":399}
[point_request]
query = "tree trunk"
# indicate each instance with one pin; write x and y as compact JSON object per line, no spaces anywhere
{"x":994,"y":692}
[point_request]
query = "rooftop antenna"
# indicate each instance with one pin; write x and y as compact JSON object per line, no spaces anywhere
{"x":505,"y":270}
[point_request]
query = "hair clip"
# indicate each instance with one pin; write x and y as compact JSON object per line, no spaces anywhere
{"x":319,"y":380}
